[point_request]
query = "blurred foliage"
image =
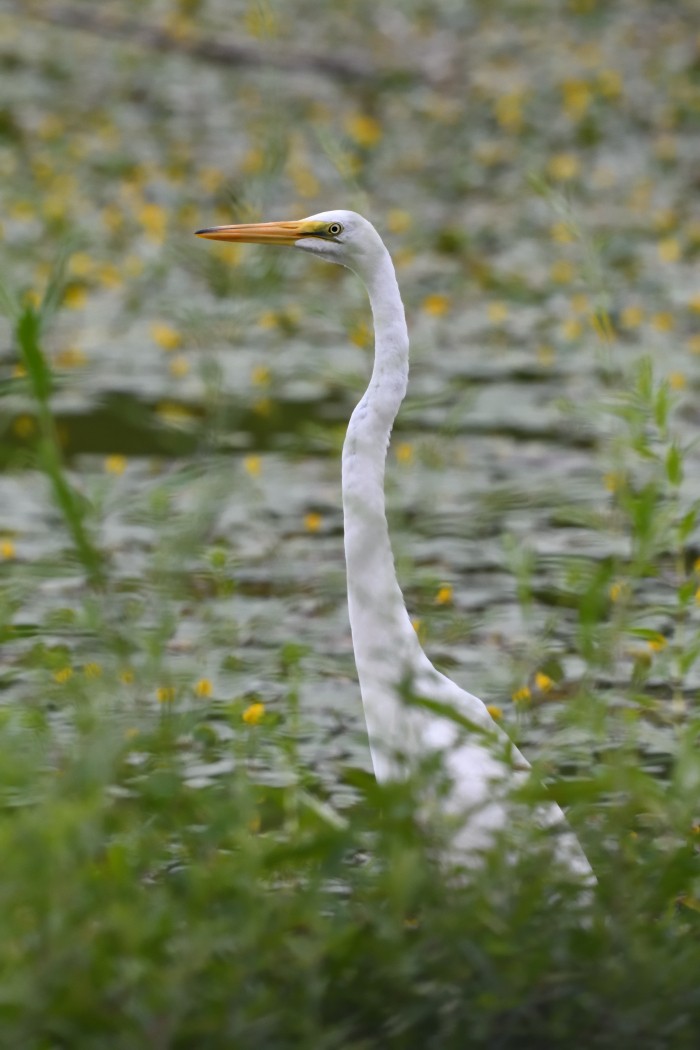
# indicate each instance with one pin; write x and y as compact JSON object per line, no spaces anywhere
{"x":190,"y":856}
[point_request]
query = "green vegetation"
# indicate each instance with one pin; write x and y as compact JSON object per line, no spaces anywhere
{"x":194,"y":854}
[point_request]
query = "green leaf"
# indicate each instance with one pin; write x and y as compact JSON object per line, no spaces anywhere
{"x":28,"y":331}
{"x":674,"y":464}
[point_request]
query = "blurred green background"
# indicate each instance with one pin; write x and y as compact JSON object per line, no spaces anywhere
{"x":172,"y":600}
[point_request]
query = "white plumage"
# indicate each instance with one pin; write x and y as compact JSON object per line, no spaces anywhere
{"x":482,"y":763}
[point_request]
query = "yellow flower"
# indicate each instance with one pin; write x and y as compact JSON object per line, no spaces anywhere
{"x":444,"y":595}
{"x":179,"y":366}
{"x":360,"y":334}
{"x":543,"y":682}
{"x":694,"y":344}
{"x":262,"y":407}
{"x":115,"y":464}
{"x":203,"y":688}
{"x":495,"y":711}
{"x":564,"y":166}
{"x":562,"y":233}
{"x":165,"y":335}
{"x":24,"y":426}
{"x":252,"y":465}
{"x":580,"y":303}
{"x":677,"y":381}
{"x":126,"y":677}
{"x":211,"y":179}
{"x":436,"y":304}
{"x":497,"y":312}
{"x":165,"y":694}
{"x":572,"y":329}
{"x":404,"y":452}
{"x":398,"y":220}
{"x":92,"y":670}
{"x":617,"y":591}
{"x":71,"y":357}
{"x":562,"y":271}
{"x":609,"y":83}
{"x":669,"y":250}
{"x":577,"y":98}
{"x":509,"y":111}
{"x":312,"y":521}
{"x":110,"y":276}
{"x":260,"y":376}
{"x":522,"y":695}
{"x":364,"y":130}
{"x":63,"y":674}
{"x":153,"y":219}
{"x":631,"y":317}
{"x":613,"y":482}
{"x":657,"y":644}
{"x":75,"y":297}
{"x":81,"y":265}
{"x":254,"y":713}
{"x":694,"y":304}
{"x":663,"y":321}
{"x":7,"y":550}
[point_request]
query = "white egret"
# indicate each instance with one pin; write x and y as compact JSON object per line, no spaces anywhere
{"x":481,"y":763}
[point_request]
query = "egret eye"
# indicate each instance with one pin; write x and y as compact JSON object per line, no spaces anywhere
{"x":334,"y":229}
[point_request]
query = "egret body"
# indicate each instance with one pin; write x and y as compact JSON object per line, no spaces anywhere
{"x":481,"y":763}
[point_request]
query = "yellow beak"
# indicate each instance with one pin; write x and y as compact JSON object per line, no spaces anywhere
{"x":260,"y":232}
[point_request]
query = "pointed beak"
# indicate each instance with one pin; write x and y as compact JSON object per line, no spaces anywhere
{"x":258,"y":232}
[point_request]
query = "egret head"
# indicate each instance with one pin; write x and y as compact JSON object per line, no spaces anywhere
{"x":339,"y":236}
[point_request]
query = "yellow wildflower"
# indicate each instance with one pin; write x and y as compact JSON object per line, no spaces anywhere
{"x":252,"y":465}
{"x":115,"y":464}
{"x":572,"y":329}
{"x":495,"y":711}
{"x":562,"y":233}
{"x":404,"y":452}
{"x":663,"y":321}
{"x":669,"y":250}
{"x":677,"y":381}
{"x":444,"y":595}
{"x":609,"y":83}
{"x":577,"y":98}
{"x":203,"y":688}
{"x":312,"y":521}
{"x":522,"y":695}
{"x":543,"y":682}
{"x":631,"y":317}
{"x":165,"y":694}
{"x":71,"y":357}
{"x":398,"y":220}
{"x":562,"y":271}
{"x":436,"y":304}
{"x":165,"y":335}
{"x":153,"y":219}
{"x":75,"y":297}
{"x":260,"y":376}
{"x":497,"y":312}
{"x":657,"y":643}
{"x":24,"y":426}
{"x":363,"y":129}
{"x":254,"y":713}
{"x":179,"y":366}
{"x":63,"y":674}
{"x":7,"y":550}
{"x":563,"y":166}
{"x":92,"y":670}
{"x":126,"y":677}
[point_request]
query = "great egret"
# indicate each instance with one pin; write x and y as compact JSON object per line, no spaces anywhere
{"x":481,"y":764}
